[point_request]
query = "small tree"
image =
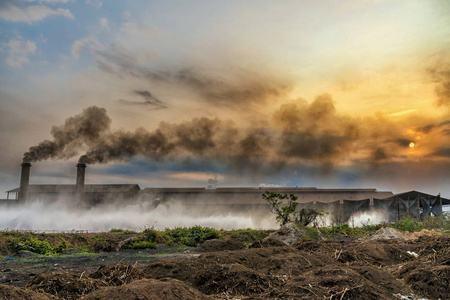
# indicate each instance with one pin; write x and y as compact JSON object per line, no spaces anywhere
{"x":284,"y":211}
{"x":306,"y":216}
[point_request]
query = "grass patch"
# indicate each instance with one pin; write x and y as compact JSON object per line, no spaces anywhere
{"x":247,"y":235}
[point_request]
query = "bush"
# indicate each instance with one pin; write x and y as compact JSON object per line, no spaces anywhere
{"x":306,"y":216}
{"x":190,"y":236}
{"x":312,"y":233}
{"x":441,"y":222}
{"x":62,"y":246}
{"x":408,"y":223}
{"x":33,"y":245}
{"x":248,"y":235}
{"x":143,"y":245}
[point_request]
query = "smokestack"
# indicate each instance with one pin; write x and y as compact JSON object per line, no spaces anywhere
{"x":24,"y":182}
{"x":80,"y":177}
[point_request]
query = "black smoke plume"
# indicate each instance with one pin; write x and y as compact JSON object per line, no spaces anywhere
{"x":298,"y":132}
{"x":86,"y":129}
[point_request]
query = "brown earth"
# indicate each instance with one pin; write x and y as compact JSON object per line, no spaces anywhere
{"x":331,"y":269}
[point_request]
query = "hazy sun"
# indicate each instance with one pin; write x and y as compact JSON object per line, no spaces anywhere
{"x":411,"y":144}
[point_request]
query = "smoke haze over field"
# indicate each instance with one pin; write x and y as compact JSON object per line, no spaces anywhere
{"x":137,"y":216}
{"x":305,"y":93}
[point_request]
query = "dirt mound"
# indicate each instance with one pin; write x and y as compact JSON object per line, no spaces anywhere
{"x":178,"y":268}
{"x":220,"y":245}
{"x":380,"y":252}
{"x":427,"y":280}
{"x":234,"y":279}
{"x":118,"y":274}
{"x":149,"y":289}
{"x":291,"y":233}
{"x":64,"y":285}
{"x":12,"y":292}
{"x":424,"y":232}
{"x":435,"y":250}
{"x":268,"y":242}
{"x":388,"y":233}
{"x":334,"y":282}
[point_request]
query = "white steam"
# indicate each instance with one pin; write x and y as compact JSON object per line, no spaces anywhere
{"x":57,"y":216}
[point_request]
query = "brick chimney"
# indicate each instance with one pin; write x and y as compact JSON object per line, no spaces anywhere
{"x":81,"y":168}
{"x":24,"y":182}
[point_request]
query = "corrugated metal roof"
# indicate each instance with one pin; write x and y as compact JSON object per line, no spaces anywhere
{"x":71,"y":188}
{"x":413,"y":195}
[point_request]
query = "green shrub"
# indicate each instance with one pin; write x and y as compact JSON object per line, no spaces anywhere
{"x":408,"y":224}
{"x":249,"y":235}
{"x":440,"y":222}
{"x":143,"y":245}
{"x":62,"y":246}
{"x":312,"y":234}
{"x":33,"y":245}
{"x":82,"y":238}
{"x":152,"y":235}
{"x":189,"y":236}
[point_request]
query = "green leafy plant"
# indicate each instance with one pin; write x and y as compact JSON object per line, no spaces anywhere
{"x":143,"y":245}
{"x":283,"y":205}
{"x":408,"y":223}
{"x":189,"y":236}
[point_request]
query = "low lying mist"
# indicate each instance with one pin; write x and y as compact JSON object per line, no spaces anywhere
{"x":58,"y":216}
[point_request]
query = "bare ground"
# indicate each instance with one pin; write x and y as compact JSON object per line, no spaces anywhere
{"x":332,"y":269}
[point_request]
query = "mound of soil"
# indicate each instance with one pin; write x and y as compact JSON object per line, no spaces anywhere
{"x":291,"y":233}
{"x":426,"y":278}
{"x":149,"y":289}
{"x":64,"y":285}
{"x":12,"y":292}
{"x":268,"y":242}
{"x":118,"y":274}
{"x":381,"y":252}
{"x":220,"y":245}
{"x":234,"y":279}
{"x":332,"y":282}
{"x":425,"y":232}
{"x":178,"y":268}
{"x":388,"y":233}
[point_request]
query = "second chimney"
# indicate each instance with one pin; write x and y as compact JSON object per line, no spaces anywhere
{"x":24,"y":182}
{"x":80,"y":177}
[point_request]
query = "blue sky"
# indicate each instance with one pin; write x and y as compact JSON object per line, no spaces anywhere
{"x":317,"y":93}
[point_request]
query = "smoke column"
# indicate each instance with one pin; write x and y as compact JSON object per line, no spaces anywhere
{"x":297,"y":132}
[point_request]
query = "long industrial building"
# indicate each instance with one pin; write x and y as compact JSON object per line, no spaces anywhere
{"x":341,"y":202}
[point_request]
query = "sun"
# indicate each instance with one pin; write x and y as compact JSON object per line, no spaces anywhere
{"x":411,"y":144}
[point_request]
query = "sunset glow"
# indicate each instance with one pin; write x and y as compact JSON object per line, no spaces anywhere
{"x":290,"y":93}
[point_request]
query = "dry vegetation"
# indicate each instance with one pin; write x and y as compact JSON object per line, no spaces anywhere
{"x":332,"y":263}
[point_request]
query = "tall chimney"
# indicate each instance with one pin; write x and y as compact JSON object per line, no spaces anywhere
{"x":80,"y":177}
{"x":24,"y":182}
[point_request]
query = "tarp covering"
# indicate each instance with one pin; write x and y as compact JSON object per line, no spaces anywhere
{"x":350,"y":207}
{"x":413,"y":203}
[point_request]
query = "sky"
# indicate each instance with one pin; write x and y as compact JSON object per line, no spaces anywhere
{"x":326,"y":94}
